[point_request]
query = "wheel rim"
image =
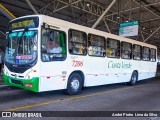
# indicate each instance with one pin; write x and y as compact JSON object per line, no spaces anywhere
{"x":134,"y":78}
{"x":75,"y":84}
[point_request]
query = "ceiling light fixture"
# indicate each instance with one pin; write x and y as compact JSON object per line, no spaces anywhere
{"x":88,"y":4}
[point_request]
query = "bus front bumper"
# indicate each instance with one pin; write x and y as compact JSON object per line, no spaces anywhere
{"x":27,"y":84}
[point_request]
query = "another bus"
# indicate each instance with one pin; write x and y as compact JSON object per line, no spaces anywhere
{"x":45,"y":53}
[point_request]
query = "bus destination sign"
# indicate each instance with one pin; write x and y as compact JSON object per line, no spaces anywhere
{"x":21,"y":24}
{"x":24,"y":23}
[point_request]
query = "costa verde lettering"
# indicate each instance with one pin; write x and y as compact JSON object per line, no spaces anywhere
{"x":122,"y":64}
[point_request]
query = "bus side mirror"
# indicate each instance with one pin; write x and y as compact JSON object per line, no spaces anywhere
{"x":43,"y":25}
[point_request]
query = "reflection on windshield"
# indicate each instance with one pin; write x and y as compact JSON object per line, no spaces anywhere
{"x":21,"y":47}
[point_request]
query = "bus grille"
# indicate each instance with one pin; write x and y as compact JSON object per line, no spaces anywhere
{"x":16,"y":82}
{"x":18,"y":69}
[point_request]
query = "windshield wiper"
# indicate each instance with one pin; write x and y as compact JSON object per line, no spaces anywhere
{"x":26,"y":29}
{"x":20,"y":40}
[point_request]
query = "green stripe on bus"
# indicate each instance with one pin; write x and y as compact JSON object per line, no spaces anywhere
{"x":34,"y":81}
{"x":62,"y":40}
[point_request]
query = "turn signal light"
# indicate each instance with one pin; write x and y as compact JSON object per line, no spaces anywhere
{"x":29,"y":85}
{"x":34,"y":70}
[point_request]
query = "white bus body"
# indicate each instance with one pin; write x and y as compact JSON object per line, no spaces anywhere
{"x":94,"y":71}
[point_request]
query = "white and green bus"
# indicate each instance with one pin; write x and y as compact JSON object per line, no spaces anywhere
{"x":45,"y":53}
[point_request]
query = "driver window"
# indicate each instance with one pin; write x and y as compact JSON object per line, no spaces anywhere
{"x":53,"y":45}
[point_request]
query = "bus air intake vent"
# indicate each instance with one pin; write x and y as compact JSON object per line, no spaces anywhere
{"x":17,"y":69}
{"x":16,"y":82}
{"x":21,"y":76}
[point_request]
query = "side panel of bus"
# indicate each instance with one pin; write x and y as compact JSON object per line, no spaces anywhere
{"x":53,"y":74}
{"x":152,"y":72}
{"x":97,"y":70}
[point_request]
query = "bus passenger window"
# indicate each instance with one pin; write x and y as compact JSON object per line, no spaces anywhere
{"x":113,"y":48}
{"x":137,"y":52}
{"x":96,"y":45}
{"x":126,"y":50}
{"x":145,"y":54}
{"x":53,"y":46}
{"x":153,"y":55}
{"x":77,"y":42}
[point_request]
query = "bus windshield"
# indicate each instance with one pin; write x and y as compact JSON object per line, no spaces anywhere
{"x":21,"y":47}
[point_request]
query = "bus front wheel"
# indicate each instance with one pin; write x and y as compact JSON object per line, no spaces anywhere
{"x":134,"y":78}
{"x":74,"y":84}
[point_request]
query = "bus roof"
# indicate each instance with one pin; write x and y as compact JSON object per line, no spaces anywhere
{"x":65,"y":24}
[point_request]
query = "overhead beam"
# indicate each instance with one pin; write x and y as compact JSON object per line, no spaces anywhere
{"x":151,"y":7}
{"x":93,"y":9}
{"x":142,"y":35}
{"x":135,"y":8}
{"x":149,"y":20}
{"x":3,"y":33}
{"x":31,"y":6}
{"x":147,"y":9}
{"x":6,"y":12}
{"x":67,"y":5}
{"x":81,"y":6}
{"x":103,"y":14}
{"x":152,"y":34}
{"x":107,"y":26}
{"x":95,"y":15}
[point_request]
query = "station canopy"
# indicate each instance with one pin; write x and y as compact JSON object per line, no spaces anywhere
{"x":87,"y":12}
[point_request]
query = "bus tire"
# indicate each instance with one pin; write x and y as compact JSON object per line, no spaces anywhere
{"x":134,"y":78}
{"x":74,"y":84}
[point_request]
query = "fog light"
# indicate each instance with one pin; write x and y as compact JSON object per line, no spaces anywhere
{"x":29,"y":85}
